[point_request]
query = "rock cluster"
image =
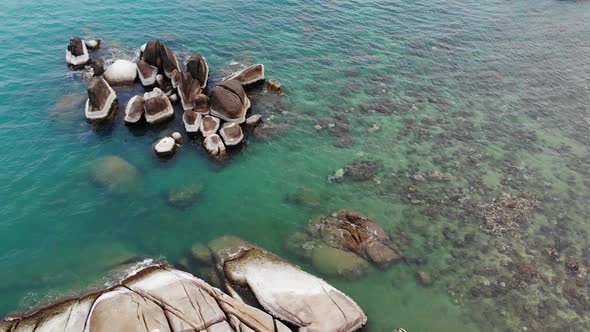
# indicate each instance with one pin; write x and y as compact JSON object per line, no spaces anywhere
{"x":343,"y":244}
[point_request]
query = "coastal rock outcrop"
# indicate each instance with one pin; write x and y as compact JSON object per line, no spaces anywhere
{"x":229,"y":101}
{"x":147,"y":73}
{"x":168,"y":60}
{"x":201,"y":104}
{"x":102,"y":100}
{"x":192,"y":121}
{"x":134,"y":109}
{"x":157,"y":106}
{"x":198,"y":67}
{"x":165,"y":147}
{"x":121,"y":72}
{"x":77,"y":53}
{"x":231,"y":133}
{"x":214,"y":145}
{"x":209,"y":125}
{"x":249,"y":75}
{"x":188,"y":90}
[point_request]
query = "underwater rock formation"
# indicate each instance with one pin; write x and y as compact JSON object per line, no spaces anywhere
{"x":362,"y":170}
{"x":253,"y":120}
{"x":229,"y":101}
{"x":121,"y":72}
{"x":115,"y":174}
{"x":102,"y":100}
{"x":184,"y":196}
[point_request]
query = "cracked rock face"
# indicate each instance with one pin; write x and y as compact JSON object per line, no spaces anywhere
{"x":189,"y":89}
{"x":229,"y":101}
{"x":198,"y":67}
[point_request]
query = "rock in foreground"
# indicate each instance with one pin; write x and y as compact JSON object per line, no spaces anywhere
{"x":121,"y":72}
{"x":157,"y":106}
{"x":101,"y":99}
{"x":77,"y":53}
{"x":229,"y":101}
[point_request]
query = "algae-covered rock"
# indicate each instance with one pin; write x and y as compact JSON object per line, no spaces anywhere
{"x":184,"y":196}
{"x":115,"y":174}
{"x":334,"y":262}
{"x":201,"y":254}
{"x":362,"y":169}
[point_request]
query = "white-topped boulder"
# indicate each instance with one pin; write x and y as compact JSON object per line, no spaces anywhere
{"x":177,"y":137}
{"x":92,"y":44}
{"x":77,"y":53}
{"x":157,"y":106}
{"x":192,"y":121}
{"x":214,"y":145}
{"x":134,"y":109}
{"x":165,"y":147}
{"x":121,"y":72}
{"x":102,"y":99}
{"x":147,"y":73}
{"x":209,"y":125}
{"x":231,"y":133}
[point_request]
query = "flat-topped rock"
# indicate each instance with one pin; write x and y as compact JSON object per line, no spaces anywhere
{"x":102,"y":100}
{"x":77,"y":53}
{"x":201,"y":104}
{"x":147,"y":73}
{"x":157,"y":106}
{"x":198,"y":67}
{"x":192,"y":121}
{"x":231,"y":133}
{"x":165,"y":147}
{"x":134,"y":109}
{"x":209,"y":125}
{"x":214,"y":145}
{"x":229,"y":101}
{"x":121,"y":72}
{"x":188,"y":90}
{"x":249,"y":75}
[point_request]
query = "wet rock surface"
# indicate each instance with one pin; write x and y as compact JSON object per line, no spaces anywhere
{"x":102,"y":100}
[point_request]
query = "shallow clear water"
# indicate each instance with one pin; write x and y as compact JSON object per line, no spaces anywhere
{"x":494,"y":94}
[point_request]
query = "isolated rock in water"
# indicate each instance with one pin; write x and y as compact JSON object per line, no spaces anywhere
{"x":115,"y":174}
{"x":92,"y":44}
{"x":147,"y":73}
{"x":201,"y":104}
{"x":151,"y":53}
{"x":209,"y":125}
{"x":192,"y":121}
{"x":274,"y":86}
{"x":198,"y":67}
{"x":335,"y":262}
{"x":121,"y":72}
{"x":165,"y":147}
{"x":177,"y":138}
{"x":423,"y":278}
{"x":214,"y":145}
{"x":231,"y":133}
{"x":188,"y":90}
{"x":363,"y":170}
{"x":201,"y":254}
{"x":351,"y":231}
{"x":102,"y":100}
{"x":169,"y":61}
{"x":184,"y":196}
{"x":290,"y":293}
{"x":157,"y":106}
{"x":134,"y":109}
{"x":249,"y":75}
{"x":97,"y":67}
{"x":77,"y":53}
{"x":253,"y":120}
{"x":229,"y":101}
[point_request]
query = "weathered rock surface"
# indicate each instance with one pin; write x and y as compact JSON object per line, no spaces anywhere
{"x":274,"y":86}
{"x":77,"y":53}
{"x":188,"y":90}
{"x":209,"y":125}
{"x":231,"y":133}
{"x":198,"y":67}
{"x":249,"y":75}
{"x":121,"y":72}
{"x":177,"y":137}
{"x":102,"y":100}
{"x":115,"y":174}
{"x":362,"y":169}
{"x":253,"y":120}
{"x":284,"y":290}
{"x":134,"y":109}
{"x":201,"y":104}
{"x":229,"y":101}
{"x":169,"y":61}
{"x":147,"y":73}
{"x":151,"y":53}
{"x":92,"y":44}
{"x":165,"y":147}
{"x":192,"y":121}
{"x":214,"y":145}
{"x":354,"y":232}
{"x":157,"y":106}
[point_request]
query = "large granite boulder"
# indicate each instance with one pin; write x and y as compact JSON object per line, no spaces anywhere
{"x":348,"y":230}
{"x":214,"y":145}
{"x":134,"y":109}
{"x":249,"y":75}
{"x":201,"y":104}
{"x":121,"y":72}
{"x":147,"y":73}
{"x":209,"y":125}
{"x":169,"y":61}
{"x":284,"y":290}
{"x":115,"y":174}
{"x":151,"y":53}
{"x":157,"y":106}
{"x":198,"y":67}
{"x":192,"y":121}
{"x":229,"y":101}
{"x":188,"y":90}
{"x":231,"y":133}
{"x":102,"y":100}
{"x":77,"y":53}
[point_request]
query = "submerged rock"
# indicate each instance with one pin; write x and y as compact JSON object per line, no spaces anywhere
{"x":214,"y":145}
{"x":115,"y":174}
{"x":121,"y":72}
{"x":192,"y":121}
{"x":147,"y":73}
{"x":134,"y":109}
{"x":305,"y":197}
{"x":423,"y":278}
{"x":201,"y":254}
{"x":229,"y":101}
{"x":231,"y":133}
{"x":249,"y":75}
{"x":165,"y":147}
{"x":209,"y":125}
{"x":253,"y":120}
{"x":157,"y":106}
{"x":274,"y":86}
{"x":184,"y":196}
{"x":333,"y":262}
{"x":362,"y":169}
{"x":69,"y":101}
{"x":198,"y":68}
{"x":77,"y":53}
{"x":102,"y":100}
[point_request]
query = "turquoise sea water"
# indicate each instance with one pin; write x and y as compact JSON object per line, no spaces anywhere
{"x":493,"y":94}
